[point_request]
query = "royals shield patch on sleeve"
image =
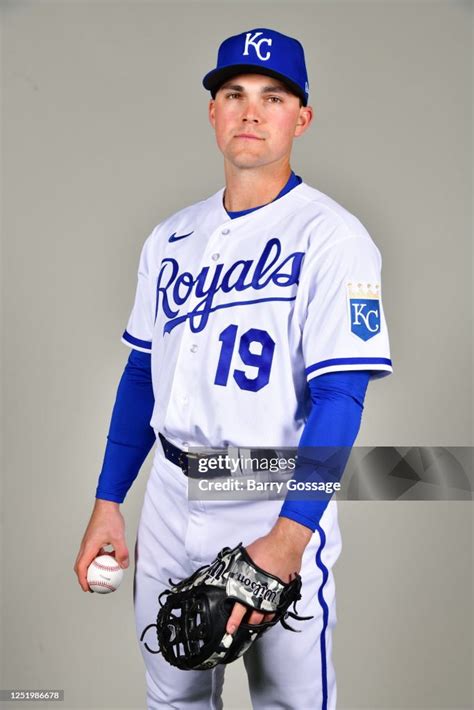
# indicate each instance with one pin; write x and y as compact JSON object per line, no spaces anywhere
{"x":364,"y":309}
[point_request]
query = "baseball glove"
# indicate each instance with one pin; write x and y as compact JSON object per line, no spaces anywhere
{"x":191,"y":623}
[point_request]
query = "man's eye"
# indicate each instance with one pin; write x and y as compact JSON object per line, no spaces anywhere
{"x":232,"y":95}
{"x":274,"y":99}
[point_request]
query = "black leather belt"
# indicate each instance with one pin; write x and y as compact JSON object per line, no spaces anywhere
{"x":183,"y":458}
{"x":175,"y":455}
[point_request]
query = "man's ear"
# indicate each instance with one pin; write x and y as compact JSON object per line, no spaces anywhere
{"x":304,"y":121}
{"x":212,"y":112}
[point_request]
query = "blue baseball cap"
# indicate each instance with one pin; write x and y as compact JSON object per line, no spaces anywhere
{"x":261,"y":51}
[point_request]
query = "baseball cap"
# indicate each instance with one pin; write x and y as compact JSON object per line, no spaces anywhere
{"x":261,"y":51}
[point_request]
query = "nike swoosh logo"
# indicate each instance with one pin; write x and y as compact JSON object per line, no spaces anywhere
{"x":174,"y":238}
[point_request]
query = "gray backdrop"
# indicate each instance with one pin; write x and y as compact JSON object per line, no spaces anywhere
{"x":105,"y":133}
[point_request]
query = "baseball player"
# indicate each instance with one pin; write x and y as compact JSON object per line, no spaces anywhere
{"x":257,"y":321}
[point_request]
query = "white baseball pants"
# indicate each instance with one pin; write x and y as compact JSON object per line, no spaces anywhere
{"x":286,"y":671}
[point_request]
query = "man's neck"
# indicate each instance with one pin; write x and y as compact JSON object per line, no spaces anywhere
{"x":250,"y":188}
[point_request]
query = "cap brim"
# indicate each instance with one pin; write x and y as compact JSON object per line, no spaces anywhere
{"x":215,"y":78}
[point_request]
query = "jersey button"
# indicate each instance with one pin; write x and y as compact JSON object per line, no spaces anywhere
{"x":194,"y":348}
{"x":225,"y":231}
{"x":215,"y":257}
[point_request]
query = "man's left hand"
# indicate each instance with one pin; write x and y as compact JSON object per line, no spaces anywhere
{"x":280,"y":553}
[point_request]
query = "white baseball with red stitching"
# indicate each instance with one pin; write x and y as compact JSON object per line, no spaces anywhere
{"x":104,"y":574}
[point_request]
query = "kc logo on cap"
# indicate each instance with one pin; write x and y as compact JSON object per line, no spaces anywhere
{"x":250,"y":42}
{"x":261,"y":51}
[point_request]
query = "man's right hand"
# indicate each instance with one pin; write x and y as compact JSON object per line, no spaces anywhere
{"x":106,"y":527}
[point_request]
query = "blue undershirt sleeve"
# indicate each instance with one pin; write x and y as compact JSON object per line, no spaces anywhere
{"x":130,"y":436}
{"x":334,"y":421}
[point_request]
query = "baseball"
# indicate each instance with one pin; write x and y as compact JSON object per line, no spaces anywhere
{"x":104,"y":574}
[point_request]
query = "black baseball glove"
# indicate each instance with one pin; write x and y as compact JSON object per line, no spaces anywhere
{"x":191,"y":623}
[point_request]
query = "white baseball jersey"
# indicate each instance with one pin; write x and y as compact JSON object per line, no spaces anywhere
{"x":239,"y":313}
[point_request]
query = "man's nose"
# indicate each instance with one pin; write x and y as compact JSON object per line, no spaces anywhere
{"x":251,"y":114}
